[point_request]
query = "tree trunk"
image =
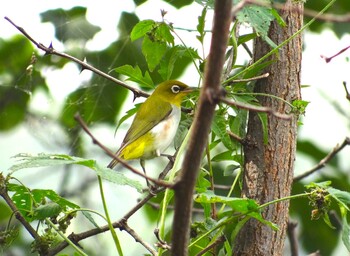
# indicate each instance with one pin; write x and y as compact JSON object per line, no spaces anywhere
{"x":268,"y":168}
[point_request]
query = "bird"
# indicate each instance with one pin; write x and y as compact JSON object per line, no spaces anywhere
{"x":155,"y":124}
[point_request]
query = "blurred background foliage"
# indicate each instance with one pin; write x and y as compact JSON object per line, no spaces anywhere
{"x":22,"y":76}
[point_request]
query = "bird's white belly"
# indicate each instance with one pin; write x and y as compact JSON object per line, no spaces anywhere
{"x":165,"y":131}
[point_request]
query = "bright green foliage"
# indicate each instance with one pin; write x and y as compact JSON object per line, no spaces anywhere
{"x":44,"y":160}
{"x":135,"y":74}
{"x":147,"y":53}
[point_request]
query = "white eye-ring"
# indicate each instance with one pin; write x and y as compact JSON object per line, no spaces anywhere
{"x":175,"y":89}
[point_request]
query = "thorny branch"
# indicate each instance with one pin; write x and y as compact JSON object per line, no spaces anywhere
{"x":50,"y":50}
{"x":325,"y":160}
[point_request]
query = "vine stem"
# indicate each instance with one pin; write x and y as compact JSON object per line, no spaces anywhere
{"x":110,"y":224}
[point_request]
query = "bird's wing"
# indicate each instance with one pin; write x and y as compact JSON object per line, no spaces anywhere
{"x":140,"y":126}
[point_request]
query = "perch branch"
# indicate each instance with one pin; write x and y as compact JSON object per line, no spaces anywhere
{"x":84,"y":65}
{"x":325,"y":160}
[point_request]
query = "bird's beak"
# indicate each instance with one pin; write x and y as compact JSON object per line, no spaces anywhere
{"x":191,"y":89}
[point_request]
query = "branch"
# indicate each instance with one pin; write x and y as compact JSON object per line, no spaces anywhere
{"x":201,"y":127}
{"x":78,"y":118}
{"x":218,"y":241}
{"x":18,"y":215}
{"x":325,"y":160}
{"x":255,"y":108}
{"x":50,"y":50}
{"x":293,"y":241}
{"x":328,"y":59}
{"x":346,"y":91}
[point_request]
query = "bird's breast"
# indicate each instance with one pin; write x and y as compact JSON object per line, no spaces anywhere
{"x":165,"y":131}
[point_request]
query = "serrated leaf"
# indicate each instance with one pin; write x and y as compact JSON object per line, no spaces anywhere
{"x":141,"y":29}
{"x":135,"y":74}
{"x":117,"y":178}
{"x":153,"y":52}
{"x":259,"y":17}
{"x":44,"y":160}
{"x":163,"y":33}
{"x":201,"y":25}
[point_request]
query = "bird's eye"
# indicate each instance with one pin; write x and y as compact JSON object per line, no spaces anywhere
{"x":175,"y":89}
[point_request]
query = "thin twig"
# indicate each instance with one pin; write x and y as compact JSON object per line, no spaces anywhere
{"x":293,"y":241}
{"x":328,"y":59}
{"x":235,"y":136}
{"x":218,"y":241}
{"x":248,"y":79}
{"x":78,"y":118}
{"x":13,"y":207}
{"x":255,"y":108}
{"x":137,"y":238}
{"x":346,"y":91}
{"x":325,"y":160}
{"x":84,"y":65}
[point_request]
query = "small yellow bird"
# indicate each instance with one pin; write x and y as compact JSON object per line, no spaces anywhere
{"x":155,"y":124}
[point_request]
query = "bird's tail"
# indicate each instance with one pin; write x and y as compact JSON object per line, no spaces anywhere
{"x":112,"y":164}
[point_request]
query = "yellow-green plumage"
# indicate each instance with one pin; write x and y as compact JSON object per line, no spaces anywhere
{"x":155,"y":123}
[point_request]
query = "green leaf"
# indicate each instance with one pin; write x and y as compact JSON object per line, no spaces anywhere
{"x":128,"y":114}
{"x":201,"y":25}
{"x":259,"y":17}
{"x":342,"y":197}
{"x":345,"y":228}
{"x":153,"y":52}
{"x":135,"y":74}
{"x":163,"y":33}
{"x":95,"y":103}
{"x":179,"y":3}
{"x":243,"y":205}
{"x":177,"y":58}
{"x":43,"y":160}
{"x":219,"y":127}
{"x":117,"y":178}
{"x":223,"y":156}
{"x":46,"y":211}
{"x":259,"y":217}
{"x":141,"y":29}
{"x":32,"y":203}
{"x":89,"y":217}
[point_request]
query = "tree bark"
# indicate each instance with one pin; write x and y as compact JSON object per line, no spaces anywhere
{"x":268,"y":168}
